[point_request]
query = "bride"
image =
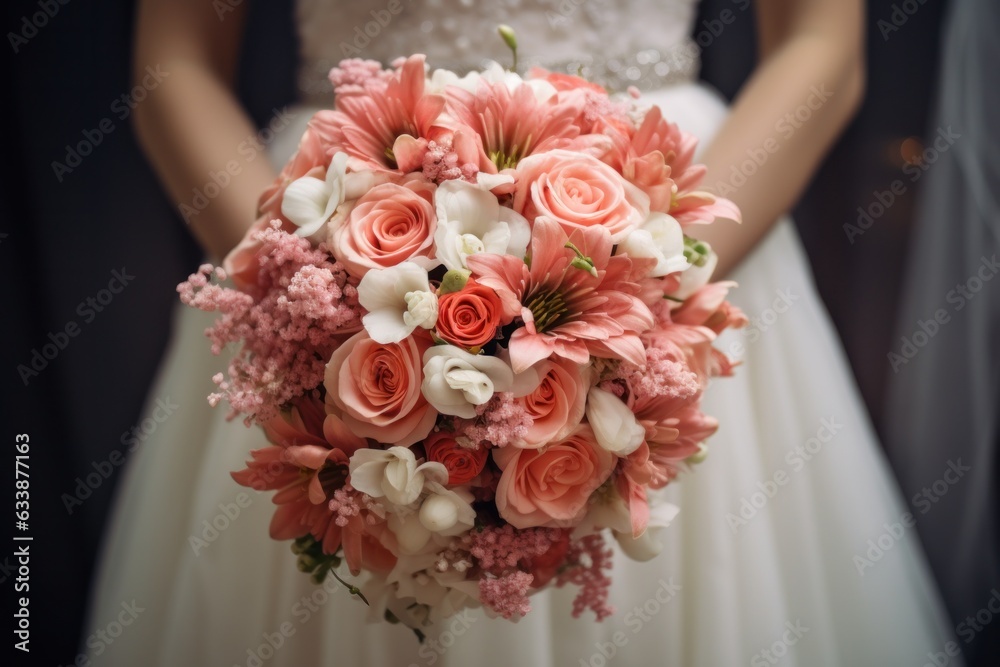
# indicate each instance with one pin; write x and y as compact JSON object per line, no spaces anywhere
{"x":792,"y":546}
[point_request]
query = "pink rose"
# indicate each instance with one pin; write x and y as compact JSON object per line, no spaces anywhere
{"x":578,"y":191}
{"x":377,"y":388}
{"x":556,"y":405}
{"x":551,"y":485}
{"x":388,"y":225}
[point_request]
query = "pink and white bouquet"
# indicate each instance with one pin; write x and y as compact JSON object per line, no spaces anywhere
{"x":476,"y":334}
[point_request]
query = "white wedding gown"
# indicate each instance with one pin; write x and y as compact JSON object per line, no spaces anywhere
{"x":790,"y":547}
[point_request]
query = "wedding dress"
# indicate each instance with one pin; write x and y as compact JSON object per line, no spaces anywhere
{"x":792,"y":546}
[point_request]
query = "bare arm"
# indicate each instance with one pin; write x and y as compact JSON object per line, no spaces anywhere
{"x":811,"y":55}
{"x":192,"y":124}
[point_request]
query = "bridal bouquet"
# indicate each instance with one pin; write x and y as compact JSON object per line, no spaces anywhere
{"x":476,"y":335}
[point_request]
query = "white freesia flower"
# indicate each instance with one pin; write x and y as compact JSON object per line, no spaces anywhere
{"x":660,"y":237}
{"x":310,"y":203}
{"x":493,"y":73}
{"x":444,"y":78}
{"x":445,"y":593}
{"x":455,"y":382}
{"x":497,"y":73}
{"x":471,"y":220}
{"x":392,"y":474}
{"x":696,"y":277}
{"x":411,"y":535}
{"x":447,"y":511}
{"x":398,"y":300}
{"x":614,"y":423}
{"x":647,"y":546}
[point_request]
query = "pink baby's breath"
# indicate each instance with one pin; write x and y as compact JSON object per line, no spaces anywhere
{"x":592,"y":558}
{"x":288,"y":334}
{"x":356,"y":76}
{"x":499,"y":548}
{"x":661,"y":377}
{"x":507,"y":594}
{"x":442,"y":163}
{"x":500,"y":421}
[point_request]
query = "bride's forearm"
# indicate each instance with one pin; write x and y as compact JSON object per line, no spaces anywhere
{"x":801,"y":96}
{"x":192,"y":125}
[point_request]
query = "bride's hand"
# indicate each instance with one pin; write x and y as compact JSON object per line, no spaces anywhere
{"x":191,"y":125}
{"x":811,"y":57}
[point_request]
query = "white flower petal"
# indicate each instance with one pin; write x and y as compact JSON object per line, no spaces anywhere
{"x":647,"y":546}
{"x":696,"y":277}
{"x":304,"y":203}
{"x":456,"y":381}
{"x":614,"y":424}
{"x":384,"y":294}
{"x":386,"y":326}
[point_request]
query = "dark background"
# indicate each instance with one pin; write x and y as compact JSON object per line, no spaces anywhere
{"x":61,"y":240}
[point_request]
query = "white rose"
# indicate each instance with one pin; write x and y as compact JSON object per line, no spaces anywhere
{"x":615,"y":426}
{"x":392,"y":474}
{"x":661,"y":238}
{"x":398,"y":300}
{"x":471,"y":220}
{"x":455,"y":382}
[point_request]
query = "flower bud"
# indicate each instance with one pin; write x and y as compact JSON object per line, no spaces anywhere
{"x":438,"y":513}
{"x":454,"y":280}
{"x":613,"y":422}
{"x":421,"y":309}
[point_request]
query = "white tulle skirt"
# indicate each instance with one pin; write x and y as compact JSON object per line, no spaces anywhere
{"x":792,"y":547}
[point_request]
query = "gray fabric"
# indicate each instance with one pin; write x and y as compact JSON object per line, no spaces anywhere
{"x":944,"y":400}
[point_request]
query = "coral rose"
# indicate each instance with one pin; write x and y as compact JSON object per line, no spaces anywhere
{"x":463,"y":463}
{"x":389,"y":225}
{"x":557,"y":404}
{"x":578,"y":191}
{"x":377,"y":387}
{"x":470,"y":317}
{"x":550,"y":486}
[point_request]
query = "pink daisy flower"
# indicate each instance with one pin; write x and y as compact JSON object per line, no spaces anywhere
{"x":575,"y":299}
